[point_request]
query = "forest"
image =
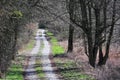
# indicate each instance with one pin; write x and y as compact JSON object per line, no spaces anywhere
{"x":59,"y":40}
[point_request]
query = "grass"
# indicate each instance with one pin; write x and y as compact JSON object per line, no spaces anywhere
{"x":69,"y":71}
{"x":30,"y":45}
{"x":49,"y":33}
{"x":67,"y":68}
{"x":39,"y":70}
{"x":27,"y":47}
{"x":56,"y":48}
{"x":15,"y":72}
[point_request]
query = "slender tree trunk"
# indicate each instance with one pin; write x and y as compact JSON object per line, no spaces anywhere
{"x":110,"y":34}
{"x":15,"y":37}
{"x":105,"y":17}
{"x":70,"y":39}
{"x":90,"y":49}
{"x":101,"y":57}
{"x":71,"y":28}
{"x":85,"y":45}
{"x":97,"y":36}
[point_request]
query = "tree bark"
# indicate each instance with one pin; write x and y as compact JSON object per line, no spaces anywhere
{"x":70,"y":39}
{"x":71,"y":28}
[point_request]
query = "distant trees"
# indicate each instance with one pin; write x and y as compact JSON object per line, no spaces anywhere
{"x":97,"y":19}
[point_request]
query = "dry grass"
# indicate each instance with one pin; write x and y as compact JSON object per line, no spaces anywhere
{"x":110,"y":71}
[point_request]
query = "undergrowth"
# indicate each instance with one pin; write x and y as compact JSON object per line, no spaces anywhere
{"x":15,"y":72}
{"x":30,"y":45}
{"x":69,"y":71}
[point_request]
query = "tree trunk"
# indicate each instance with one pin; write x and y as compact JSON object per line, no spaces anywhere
{"x":100,"y":56}
{"x":15,"y":21}
{"x":70,"y":39}
{"x":71,"y":28}
{"x":103,"y":62}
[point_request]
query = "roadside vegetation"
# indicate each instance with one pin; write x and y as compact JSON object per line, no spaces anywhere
{"x":56,"y":48}
{"x":28,"y":47}
{"x":16,"y":70}
{"x":69,"y":70}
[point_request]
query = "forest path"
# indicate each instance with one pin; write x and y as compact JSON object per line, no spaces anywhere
{"x":46,"y":62}
{"x":30,"y":72}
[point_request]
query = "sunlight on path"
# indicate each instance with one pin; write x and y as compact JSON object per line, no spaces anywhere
{"x":47,"y":67}
{"x":30,"y":73}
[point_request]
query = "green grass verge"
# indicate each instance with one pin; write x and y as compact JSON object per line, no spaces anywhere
{"x":56,"y":48}
{"x":15,"y":72}
{"x":30,"y":45}
{"x":69,"y":71}
{"x":49,"y":33}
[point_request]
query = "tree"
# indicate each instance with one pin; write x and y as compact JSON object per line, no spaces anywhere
{"x":71,"y":27}
{"x":93,"y":18}
{"x":13,"y":19}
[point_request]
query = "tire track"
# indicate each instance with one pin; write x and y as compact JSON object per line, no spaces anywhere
{"x":46,"y":62}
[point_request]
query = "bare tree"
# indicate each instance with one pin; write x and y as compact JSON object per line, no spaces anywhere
{"x":93,"y":18}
